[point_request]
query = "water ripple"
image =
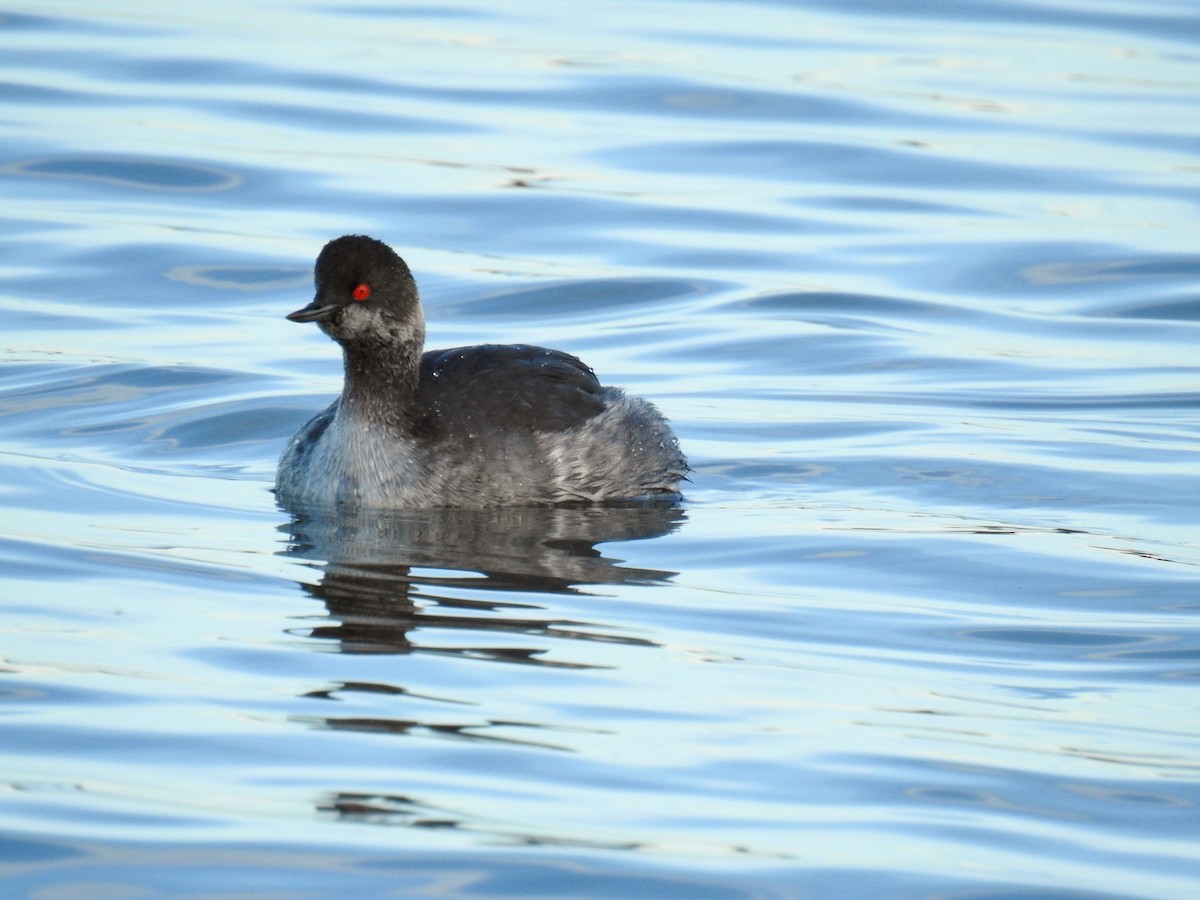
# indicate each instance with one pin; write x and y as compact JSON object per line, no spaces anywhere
{"x":920,"y":302}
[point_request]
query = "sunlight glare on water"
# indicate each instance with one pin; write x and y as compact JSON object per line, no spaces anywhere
{"x":916,"y":284}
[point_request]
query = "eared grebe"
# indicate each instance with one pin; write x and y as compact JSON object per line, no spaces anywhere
{"x":493,"y":425}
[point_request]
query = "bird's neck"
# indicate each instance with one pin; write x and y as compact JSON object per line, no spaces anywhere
{"x":381,"y":384}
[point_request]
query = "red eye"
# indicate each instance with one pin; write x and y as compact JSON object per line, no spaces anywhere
{"x":362,"y":292}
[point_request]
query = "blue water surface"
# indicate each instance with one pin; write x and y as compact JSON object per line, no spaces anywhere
{"x":917,"y":284}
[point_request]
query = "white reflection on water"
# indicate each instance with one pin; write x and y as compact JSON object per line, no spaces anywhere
{"x":917,"y":287}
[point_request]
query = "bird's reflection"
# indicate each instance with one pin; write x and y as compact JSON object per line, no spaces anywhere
{"x":402,"y":810}
{"x":475,"y":585}
{"x":387,"y":575}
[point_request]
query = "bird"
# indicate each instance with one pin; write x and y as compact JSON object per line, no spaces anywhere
{"x":489,"y":425}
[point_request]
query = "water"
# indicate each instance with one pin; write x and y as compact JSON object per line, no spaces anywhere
{"x":917,"y":284}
